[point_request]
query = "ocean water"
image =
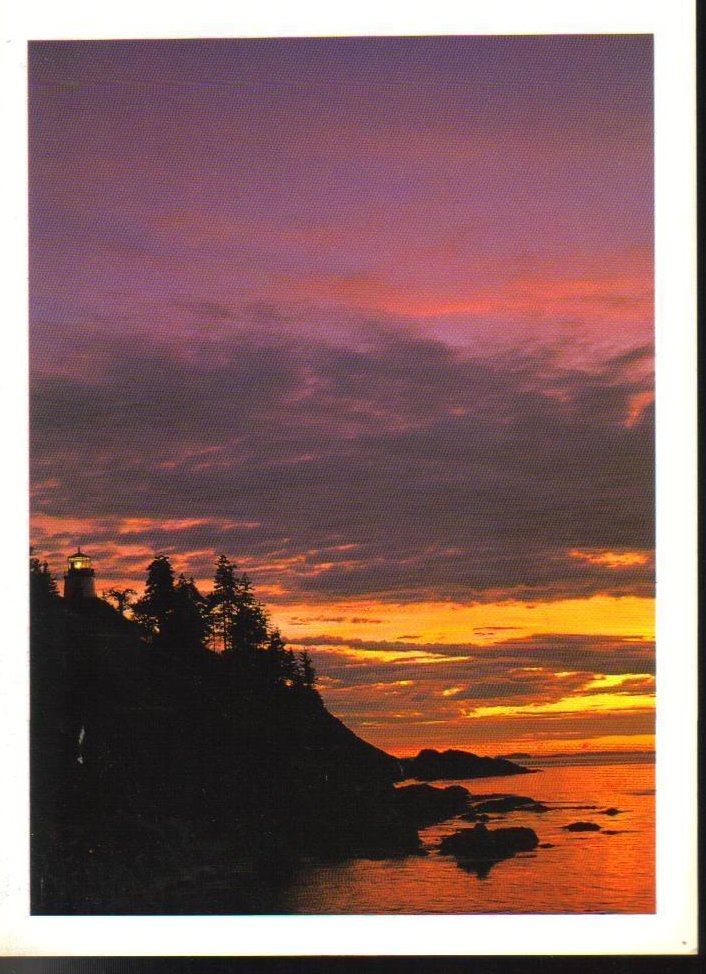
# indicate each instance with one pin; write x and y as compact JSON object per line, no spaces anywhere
{"x":578,"y":872}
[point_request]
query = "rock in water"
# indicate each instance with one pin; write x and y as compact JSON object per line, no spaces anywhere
{"x":424,"y":804}
{"x":481,"y":844}
{"x":431,"y":765}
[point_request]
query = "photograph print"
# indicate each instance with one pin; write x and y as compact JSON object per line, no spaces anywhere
{"x":342,"y":475}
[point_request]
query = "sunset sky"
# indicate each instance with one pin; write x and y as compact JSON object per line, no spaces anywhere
{"x":374,"y":317}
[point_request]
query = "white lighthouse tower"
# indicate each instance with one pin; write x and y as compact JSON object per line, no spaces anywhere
{"x":80,"y":578}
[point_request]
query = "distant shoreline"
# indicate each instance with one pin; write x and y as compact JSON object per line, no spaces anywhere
{"x":596,"y":757}
{"x":578,"y":757}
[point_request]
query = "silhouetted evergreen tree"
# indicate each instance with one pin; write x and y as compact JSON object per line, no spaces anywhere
{"x":290,"y":669}
{"x":276,"y":658}
{"x":308,"y":673}
{"x":189,"y":622}
{"x":249,"y":630}
{"x":223,"y":603}
{"x":42,"y":587}
{"x":154,"y":610}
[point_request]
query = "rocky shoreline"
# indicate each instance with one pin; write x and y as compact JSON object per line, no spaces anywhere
{"x":477,"y":849}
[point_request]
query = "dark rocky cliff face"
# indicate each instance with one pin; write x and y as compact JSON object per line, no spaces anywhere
{"x":150,"y":767}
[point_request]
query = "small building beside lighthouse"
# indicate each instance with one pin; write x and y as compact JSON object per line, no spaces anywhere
{"x":80,"y":578}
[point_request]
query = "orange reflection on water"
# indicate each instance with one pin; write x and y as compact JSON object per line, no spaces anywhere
{"x":609,"y":871}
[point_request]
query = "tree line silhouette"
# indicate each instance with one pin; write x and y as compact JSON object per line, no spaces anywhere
{"x":174,"y":616}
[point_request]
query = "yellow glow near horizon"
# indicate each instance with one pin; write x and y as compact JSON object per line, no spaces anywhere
{"x":410,"y":657}
{"x":538,"y":747}
{"x":587,"y":703}
{"x":482,"y":623}
{"x":616,"y":680}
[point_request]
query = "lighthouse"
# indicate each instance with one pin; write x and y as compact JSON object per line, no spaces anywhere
{"x":80,"y":578}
